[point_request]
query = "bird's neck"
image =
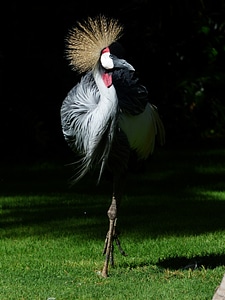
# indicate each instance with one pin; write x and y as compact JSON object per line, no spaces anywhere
{"x":108,"y":101}
{"x":103,"y":80}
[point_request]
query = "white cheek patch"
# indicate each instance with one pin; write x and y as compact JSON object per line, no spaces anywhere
{"x":106,"y":61}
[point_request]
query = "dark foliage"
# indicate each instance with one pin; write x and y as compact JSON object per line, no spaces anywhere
{"x":176,"y":46}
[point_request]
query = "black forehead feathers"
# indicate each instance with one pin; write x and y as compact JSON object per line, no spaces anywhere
{"x":117,"y":49}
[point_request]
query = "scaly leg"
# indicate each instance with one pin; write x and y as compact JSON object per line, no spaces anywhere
{"x":111,"y":236}
{"x":108,"y":248}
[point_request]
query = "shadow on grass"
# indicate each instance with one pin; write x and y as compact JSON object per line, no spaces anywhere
{"x":163,"y":201}
{"x":208,"y":262}
{"x":182,"y":263}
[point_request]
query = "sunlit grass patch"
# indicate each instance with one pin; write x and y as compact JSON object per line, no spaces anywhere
{"x":171,"y":222}
{"x":214,"y":195}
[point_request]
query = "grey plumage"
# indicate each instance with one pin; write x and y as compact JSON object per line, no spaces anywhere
{"x":87,"y":126}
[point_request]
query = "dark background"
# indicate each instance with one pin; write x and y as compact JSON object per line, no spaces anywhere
{"x":177,"y":48}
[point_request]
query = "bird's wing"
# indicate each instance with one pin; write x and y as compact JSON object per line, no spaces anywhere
{"x":141,"y":130}
{"x":132,"y":96}
{"x":159,"y":126}
{"x":81,"y":100}
{"x":139,"y":119}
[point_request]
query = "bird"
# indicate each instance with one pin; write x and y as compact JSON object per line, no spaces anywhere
{"x":107,"y":118}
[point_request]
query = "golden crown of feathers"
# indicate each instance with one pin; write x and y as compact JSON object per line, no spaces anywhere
{"x":85,"y":42}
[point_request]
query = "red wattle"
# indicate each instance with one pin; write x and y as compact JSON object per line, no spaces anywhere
{"x":107,"y":79}
{"x":105,"y":50}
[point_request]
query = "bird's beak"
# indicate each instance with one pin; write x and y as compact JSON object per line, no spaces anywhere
{"x":129,"y":66}
{"x":121,"y":63}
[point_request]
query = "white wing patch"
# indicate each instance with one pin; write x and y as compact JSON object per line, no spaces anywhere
{"x":141,"y":130}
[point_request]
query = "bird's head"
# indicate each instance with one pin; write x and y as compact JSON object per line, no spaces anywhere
{"x":110,"y":62}
{"x":90,"y":39}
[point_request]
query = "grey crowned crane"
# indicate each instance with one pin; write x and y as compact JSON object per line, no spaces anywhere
{"x":107,"y":115}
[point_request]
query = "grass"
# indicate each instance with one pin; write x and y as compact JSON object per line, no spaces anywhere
{"x":172,"y":227}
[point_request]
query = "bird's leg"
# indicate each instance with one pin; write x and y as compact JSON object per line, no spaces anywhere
{"x":108,"y":248}
{"x":111,"y":235}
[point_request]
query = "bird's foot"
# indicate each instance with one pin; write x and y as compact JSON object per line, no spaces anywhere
{"x":116,"y":239}
{"x":108,"y":250}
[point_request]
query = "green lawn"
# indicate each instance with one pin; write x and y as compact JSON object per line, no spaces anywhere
{"x":172,"y":224}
